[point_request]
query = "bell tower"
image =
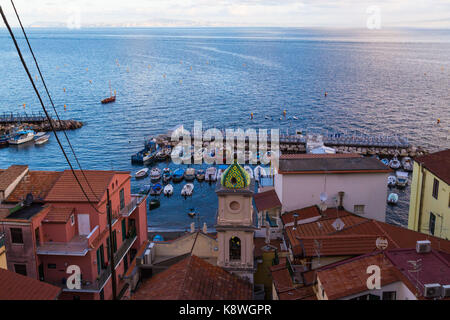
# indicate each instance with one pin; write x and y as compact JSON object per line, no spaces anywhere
{"x":235,"y":222}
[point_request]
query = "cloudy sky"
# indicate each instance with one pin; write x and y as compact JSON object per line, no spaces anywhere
{"x":283,"y":13}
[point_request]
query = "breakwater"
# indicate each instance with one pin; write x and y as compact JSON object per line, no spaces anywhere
{"x":37,"y":122}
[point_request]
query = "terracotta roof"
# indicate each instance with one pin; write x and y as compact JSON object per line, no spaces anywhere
{"x":10,"y":175}
{"x":337,"y":245}
{"x":266,"y":200}
{"x":305,"y":213}
{"x":18,"y":287}
{"x":331,"y":164}
{"x":58,"y":215}
{"x":38,"y":183}
{"x":438,"y":163}
{"x":261,"y":246}
{"x":350,"y":276}
{"x":194,"y":279}
{"x":66,"y":188}
{"x":320,"y":156}
{"x":301,"y":293}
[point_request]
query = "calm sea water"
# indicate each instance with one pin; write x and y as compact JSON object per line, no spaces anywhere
{"x":378,"y":82}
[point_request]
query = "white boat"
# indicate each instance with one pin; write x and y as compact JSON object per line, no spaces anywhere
{"x":189,"y":174}
{"x":392,"y":181}
{"x":200,"y":175}
{"x":168,"y":190}
{"x":402,"y":179}
{"x":295,"y":118}
{"x":219,"y":174}
{"x":407,"y":164}
{"x":167,"y":175}
{"x":187,"y":190}
{"x":22,"y":137}
{"x":148,"y":157}
{"x":259,"y":172}
{"x":41,"y":139}
{"x":141,"y":173}
{"x":395,"y":164}
{"x":155,"y":174}
{"x":211,"y":173}
{"x":249,"y":171}
{"x":392,"y":198}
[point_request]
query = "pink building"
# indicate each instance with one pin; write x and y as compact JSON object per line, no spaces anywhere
{"x":50,"y":225}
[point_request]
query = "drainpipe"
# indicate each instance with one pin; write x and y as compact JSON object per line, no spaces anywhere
{"x":422,"y":187}
{"x":295,"y":221}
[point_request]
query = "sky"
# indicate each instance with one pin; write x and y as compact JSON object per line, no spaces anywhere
{"x":258,"y":13}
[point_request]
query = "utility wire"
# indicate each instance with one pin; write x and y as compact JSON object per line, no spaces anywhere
{"x":51,"y":100}
{"x":43,"y":106}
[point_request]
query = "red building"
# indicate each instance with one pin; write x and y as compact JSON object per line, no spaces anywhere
{"x":50,"y":225}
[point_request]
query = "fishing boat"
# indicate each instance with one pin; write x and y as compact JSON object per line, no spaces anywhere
{"x":407,"y":164}
{"x":249,"y":171}
{"x":168,"y":190}
{"x":210,"y":174}
{"x":192,"y":213}
{"x":178,"y":175}
{"x":41,"y":139}
{"x":167,"y":175}
{"x":4,"y":140}
{"x":156,"y":190}
{"x":392,"y":181}
{"x":200,"y":175}
{"x":187,"y":190}
{"x":148,"y":157}
{"x":154,"y":204}
{"x":112,"y":97}
{"x":402,"y":179}
{"x":395,"y":164}
{"x":385,"y":161}
{"x":145,"y":189}
{"x":392,"y":199}
{"x":155,"y":174}
{"x":163,"y":154}
{"x":189,"y":175}
{"x":21,"y":137}
{"x":142,"y":173}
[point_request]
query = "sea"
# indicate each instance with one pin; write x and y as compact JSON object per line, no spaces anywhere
{"x":391,"y":82}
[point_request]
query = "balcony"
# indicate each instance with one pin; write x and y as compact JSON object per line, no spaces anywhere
{"x":130,"y":207}
{"x":102,"y":279}
{"x":78,"y":246}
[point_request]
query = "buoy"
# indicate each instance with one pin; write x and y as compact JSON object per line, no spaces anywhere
{"x":438,"y":121}
{"x":252,"y":115}
{"x":87,"y":69}
{"x":24,"y":105}
{"x":64,"y":89}
{"x":65,"y":107}
{"x":284,"y":113}
{"x":36,"y":78}
{"x":90,"y":81}
{"x":115,"y":93}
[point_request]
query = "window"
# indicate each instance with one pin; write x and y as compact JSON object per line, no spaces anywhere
{"x":122,"y":199}
{"x":51,"y":266}
{"x":432,"y":223}
{"x":235,"y":249}
{"x":72,"y":220}
{"x":16,"y":235}
{"x":435,"y":188}
{"x":20,"y":269}
{"x":359,"y":209}
{"x":389,"y":295}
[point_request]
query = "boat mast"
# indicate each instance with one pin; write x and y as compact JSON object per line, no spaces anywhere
{"x":110,"y":91}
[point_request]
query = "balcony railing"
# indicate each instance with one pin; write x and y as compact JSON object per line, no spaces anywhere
{"x":130,"y":207}
{"x":77,"y":247}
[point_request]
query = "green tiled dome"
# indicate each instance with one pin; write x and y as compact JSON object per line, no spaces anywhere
{"x":235,"y":177}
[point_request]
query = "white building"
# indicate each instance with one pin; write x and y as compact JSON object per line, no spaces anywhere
{"x":356,"y":183}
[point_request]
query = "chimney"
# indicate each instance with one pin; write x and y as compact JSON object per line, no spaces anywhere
{"x":205,"y":228}
{"x":341,"y":200}
{"x":193,"y":227}
{"x":295,"y":221}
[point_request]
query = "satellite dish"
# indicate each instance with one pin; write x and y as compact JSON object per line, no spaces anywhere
{"x":323,"y":207}
{"x":381,"y":243}
{"x":338,"y":224}
{"x":323,"y":197}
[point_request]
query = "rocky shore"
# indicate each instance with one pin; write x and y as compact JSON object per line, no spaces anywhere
{"x":45,"y":126}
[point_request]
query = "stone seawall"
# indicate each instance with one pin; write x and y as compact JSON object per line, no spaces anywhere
{"x":45,"y":126}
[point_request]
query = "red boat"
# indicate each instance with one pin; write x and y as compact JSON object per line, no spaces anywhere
{"x":112,"y":98}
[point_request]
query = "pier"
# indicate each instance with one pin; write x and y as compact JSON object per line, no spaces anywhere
{"x":37,"y":121}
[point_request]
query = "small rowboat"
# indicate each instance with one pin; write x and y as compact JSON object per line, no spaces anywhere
{"x":395,"y":164}
{"x":392,"y":181}
{"x":189,"y":175}
{"x":188,"y":189}
{"x":167,"y":175}
{"x":142,"y":173}
{"x":402,"y":179}
{"x":385,"y":161}
{"x":407,"y":164}
{"x":155,"y":174}
{"x":211,"y":173}
{"x":156,"y":190}
{"x":41,"y":139}
{"x":192,"y":213}
{"x":154,"y":203}
{"x":168,"y":190}
{"x":392,"y":199}
{"x":178,"y":175}
{"x":200,"y":175}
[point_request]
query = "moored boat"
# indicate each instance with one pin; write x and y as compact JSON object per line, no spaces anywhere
{"x":192,"y":213}
{"x":189,"y":174}
{"x":200,"y":175}
{"x":22,"y":136}
{"x":402,"y":179}
{"x":187,"y":190}
{"x":168,"y":190}
{"x":155,"y":174}
{"x":167,"y":175}
{"x":407,"y":164}
{"x":210,"y":174}
{"x":385,"y":161}
{"x":41,"y":139}
{"x":142,"y":173}
{"x":154,"y":204}
{"x":178,"y":175}
{"x":392,"y":198}
{"x":145,"y":189}
{"x":392,"y":181}
{"x":156,"y":190}
{"x":394,"y":163}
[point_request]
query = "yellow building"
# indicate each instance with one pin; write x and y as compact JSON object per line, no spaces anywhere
{"x":429,"y":209}
{"x":3,"y":263}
